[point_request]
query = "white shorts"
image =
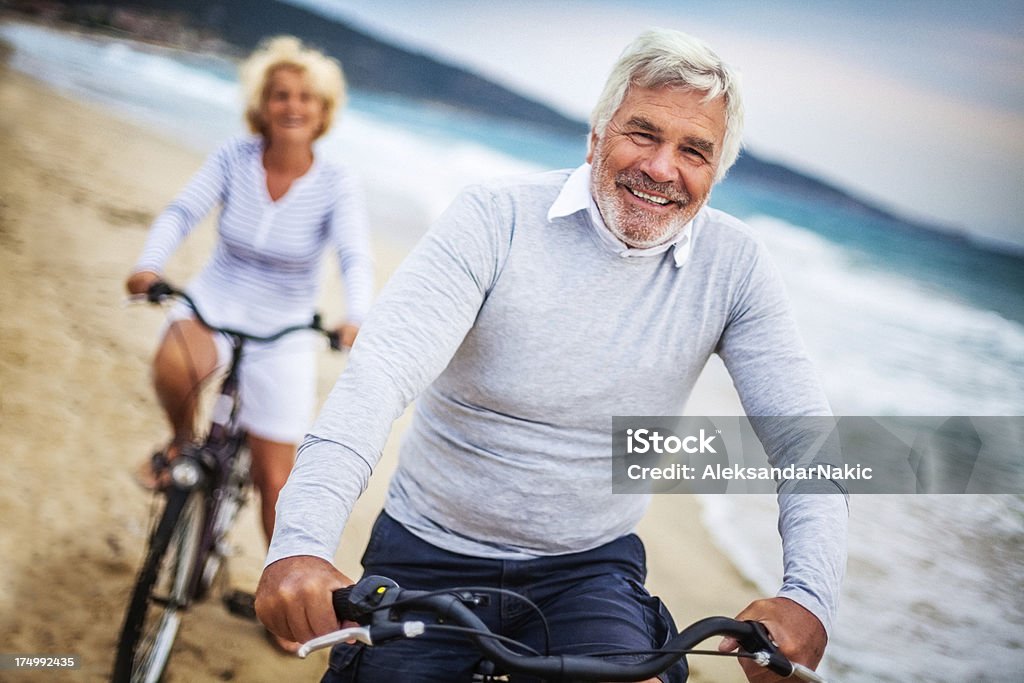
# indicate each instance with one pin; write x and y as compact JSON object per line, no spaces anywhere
{"x":276,"y":381}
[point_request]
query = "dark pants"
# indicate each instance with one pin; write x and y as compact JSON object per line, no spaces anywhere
{"x":594,"y":601}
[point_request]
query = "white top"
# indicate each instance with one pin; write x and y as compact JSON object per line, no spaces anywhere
{"x":264,"y":272}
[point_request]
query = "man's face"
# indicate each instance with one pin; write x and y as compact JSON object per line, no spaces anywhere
{"x":655,"y":164}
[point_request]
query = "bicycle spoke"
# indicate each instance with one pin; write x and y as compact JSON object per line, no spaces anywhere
{"x":162,"y":591}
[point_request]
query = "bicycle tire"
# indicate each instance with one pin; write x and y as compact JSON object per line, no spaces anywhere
{"x":161,"y":591}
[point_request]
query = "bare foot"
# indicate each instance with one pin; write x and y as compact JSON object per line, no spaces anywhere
{"x":152,"y":473}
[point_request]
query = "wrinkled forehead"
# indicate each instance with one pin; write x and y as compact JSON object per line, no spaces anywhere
{"x":673,"y":105}
{"x":667,"y":90}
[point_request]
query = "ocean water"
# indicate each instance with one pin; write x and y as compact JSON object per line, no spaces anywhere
{"x":899,"y":322}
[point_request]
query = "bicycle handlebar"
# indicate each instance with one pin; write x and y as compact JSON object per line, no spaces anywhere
{"x":160,"y":290}
{"x":377,"y":603}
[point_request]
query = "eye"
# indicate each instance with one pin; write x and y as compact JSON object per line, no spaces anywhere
{"x":641,"y":138}
{"x":694,"y":153}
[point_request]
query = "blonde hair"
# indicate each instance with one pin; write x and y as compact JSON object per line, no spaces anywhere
{"x":287,"y":52}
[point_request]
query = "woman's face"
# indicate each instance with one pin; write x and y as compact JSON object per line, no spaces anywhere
{"x":292,"y":112}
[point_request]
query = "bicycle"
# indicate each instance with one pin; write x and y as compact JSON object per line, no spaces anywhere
{"x":378,"y":603}
{"x":209,"y":484}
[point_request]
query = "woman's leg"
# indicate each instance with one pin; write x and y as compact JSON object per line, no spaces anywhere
{"x":272,"y":462}
{"x":186,"y":357}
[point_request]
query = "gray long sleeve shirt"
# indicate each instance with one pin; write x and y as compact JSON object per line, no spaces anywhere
{"x":522,"y":329}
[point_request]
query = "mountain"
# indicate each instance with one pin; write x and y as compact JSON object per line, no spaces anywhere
{"x":369,"y":63}
{"x":752,"y":169}
{"x":374,"y":65}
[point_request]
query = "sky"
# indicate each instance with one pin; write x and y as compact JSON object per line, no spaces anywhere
{"x":917,"y":105}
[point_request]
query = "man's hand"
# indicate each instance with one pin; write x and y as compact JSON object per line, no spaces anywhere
{"x":797,"y":632}
{"x":293,"y":599}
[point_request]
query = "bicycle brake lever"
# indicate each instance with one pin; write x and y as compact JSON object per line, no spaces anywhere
{"x":769,"y":660}
{"x":358,"y":633}
{"x":803,"y":673}
{"x":365,"y":635}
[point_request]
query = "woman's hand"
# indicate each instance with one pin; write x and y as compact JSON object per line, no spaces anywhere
{"x":140,"y":282}
{"x":347,"y":334}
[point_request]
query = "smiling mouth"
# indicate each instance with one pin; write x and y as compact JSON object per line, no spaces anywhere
{"x":654,"y":200}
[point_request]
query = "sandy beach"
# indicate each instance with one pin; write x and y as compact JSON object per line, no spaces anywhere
{"x":78,"y":188}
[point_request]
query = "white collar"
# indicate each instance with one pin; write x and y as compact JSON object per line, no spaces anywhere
{"x":575,"y":196}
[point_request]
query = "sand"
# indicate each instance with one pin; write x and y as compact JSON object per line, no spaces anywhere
{"x":78,"y":188}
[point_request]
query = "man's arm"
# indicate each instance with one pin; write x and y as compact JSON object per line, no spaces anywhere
{"x":774,"y":377}
{"x":408,"y":339}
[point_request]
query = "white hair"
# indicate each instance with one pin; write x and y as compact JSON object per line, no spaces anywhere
{"x":661,"y":57}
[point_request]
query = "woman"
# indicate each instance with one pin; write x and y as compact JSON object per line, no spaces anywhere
{"x":281,"y":207}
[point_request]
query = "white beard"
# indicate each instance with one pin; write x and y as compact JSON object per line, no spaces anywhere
{"x":629,"y":223}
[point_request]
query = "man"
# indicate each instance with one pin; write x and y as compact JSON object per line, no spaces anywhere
{"x":533,"y":311}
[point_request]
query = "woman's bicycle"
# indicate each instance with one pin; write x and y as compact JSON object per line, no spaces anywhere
{"x":208,"y":484}
{"x":380,"y":605}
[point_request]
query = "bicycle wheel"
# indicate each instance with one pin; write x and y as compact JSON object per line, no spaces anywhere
{"x":161,"y":591}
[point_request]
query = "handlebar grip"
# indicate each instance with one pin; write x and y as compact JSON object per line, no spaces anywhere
{"x":332,"y":335}
{"x":158,"y":291}
{"x":343,"y":607}
{"x":365,"y":602}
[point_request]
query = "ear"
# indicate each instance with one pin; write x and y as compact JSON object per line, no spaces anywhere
{"x":591,"y":144}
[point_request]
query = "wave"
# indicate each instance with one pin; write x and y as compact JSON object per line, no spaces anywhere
{"x":422,"y":166}
{"x":888,"y":344}
{"x":932,"y":586}
{"x":411,"y":174}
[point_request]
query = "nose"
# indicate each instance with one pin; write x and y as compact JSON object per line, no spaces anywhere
{"x":660,"y":164}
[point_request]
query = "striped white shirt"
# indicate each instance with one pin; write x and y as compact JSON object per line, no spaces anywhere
{"x":264,"y":272}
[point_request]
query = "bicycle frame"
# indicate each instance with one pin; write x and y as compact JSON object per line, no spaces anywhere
{"x":210,"y":465}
